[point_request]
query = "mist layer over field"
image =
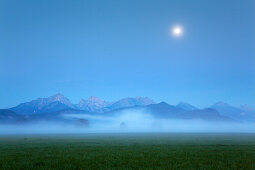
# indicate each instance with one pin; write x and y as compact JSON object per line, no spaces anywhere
{"x":124,"y":121}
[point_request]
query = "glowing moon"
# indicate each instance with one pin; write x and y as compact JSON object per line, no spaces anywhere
{"x":177,"y":31}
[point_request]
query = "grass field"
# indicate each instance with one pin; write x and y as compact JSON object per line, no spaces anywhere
{"x":128,"y":151}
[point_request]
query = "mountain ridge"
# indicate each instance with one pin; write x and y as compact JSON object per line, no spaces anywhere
{"x":94,"y":105}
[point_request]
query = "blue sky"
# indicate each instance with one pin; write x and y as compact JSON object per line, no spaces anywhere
{"x":115,"y":49}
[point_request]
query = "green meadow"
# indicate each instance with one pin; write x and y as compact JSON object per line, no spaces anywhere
{"x":128,"y":151}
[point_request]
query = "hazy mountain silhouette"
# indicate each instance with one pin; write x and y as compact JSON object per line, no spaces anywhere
{"x":129,"y":102}
{"x":8,"y":116}
{"x":186,"y":106}
{"x":207,"y":114}
{"x":243,"y":113}
{"x":164,"y":110}
{"x":40,"y":105}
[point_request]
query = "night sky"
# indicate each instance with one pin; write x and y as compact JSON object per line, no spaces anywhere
{"x":115,"y":49}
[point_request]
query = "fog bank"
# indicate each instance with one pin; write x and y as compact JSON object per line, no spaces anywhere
{"x":124,"y":121}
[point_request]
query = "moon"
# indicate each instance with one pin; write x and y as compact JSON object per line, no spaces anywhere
{"x":177,"y":31}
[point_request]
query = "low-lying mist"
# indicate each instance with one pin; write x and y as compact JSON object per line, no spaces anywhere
{"x":124,"y":121}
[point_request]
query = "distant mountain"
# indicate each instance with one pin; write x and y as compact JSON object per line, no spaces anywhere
{"x":247,"y":109}
{"x":163,"y":110}
{"x":92,"y":104}
{"x":186,"y":106}
{"x":40,"y":105}
{"x":207,"y":114}
{"x":227,"y":110}
{"x":129,"y":102}
{"x":8,"y":116}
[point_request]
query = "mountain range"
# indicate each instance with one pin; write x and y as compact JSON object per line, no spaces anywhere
{"x":52,"y":107}
{"x":93,"y":104}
